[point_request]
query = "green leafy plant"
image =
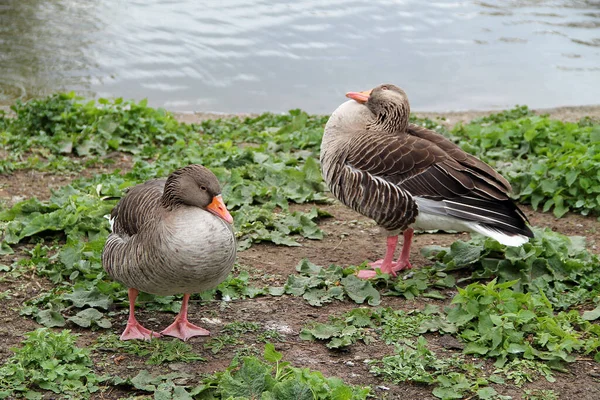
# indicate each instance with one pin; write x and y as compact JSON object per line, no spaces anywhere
{"x":45,"y":131}
{"x":157,"y":351}
{"x":344,"y":331}
{"x":48,"y":361}
{"x":498,"y":322}
{"x":249,"y":378}
{"x":540,"y":394}
{"x":453,"y":377}
{"x":233,"y":288}
{"x":550,"y":163}
{"x":369,"y":325}
{"x":277,"y":379}
{"x":163,"y":386}
{"x":319,"y":285}
{"x":522,"y":371}
{"x":556,"y":264}
{"x":231,"y":335}
{"x":423,"y":281}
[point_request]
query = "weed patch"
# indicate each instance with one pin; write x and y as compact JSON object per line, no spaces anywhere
{"x":48,"y":361}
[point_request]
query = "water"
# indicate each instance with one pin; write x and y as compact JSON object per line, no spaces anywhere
{"x":253,"y":56}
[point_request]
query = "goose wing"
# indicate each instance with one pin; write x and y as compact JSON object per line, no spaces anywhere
{"x":435,"y":174}
{"x":138,"y":206}
{"x":426,"y":164}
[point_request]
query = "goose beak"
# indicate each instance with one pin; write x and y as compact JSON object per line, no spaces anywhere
{"x":218,"y":208}
{"x":361,"y":97}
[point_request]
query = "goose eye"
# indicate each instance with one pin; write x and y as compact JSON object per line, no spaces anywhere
{"x":384,"y":88}
{"x":203,"y":188}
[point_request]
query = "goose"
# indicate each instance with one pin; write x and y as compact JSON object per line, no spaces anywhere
{"x":170,"y":236}
{"x":407,"y":177}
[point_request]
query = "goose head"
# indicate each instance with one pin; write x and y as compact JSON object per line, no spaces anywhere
{"x":196,"y":186}
{"x":389,"y":106}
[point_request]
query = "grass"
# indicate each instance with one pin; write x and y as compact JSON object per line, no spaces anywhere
{"x":529,"y":311}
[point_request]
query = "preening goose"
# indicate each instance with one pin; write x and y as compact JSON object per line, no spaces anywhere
{"x":407,"y":177}
{"x":170,"y":236}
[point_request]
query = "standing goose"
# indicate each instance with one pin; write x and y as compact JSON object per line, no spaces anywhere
{"x":170,"y":236}
{"x":407,"y":177}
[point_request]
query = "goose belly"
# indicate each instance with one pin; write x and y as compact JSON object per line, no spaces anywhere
{"x":195,"y":254}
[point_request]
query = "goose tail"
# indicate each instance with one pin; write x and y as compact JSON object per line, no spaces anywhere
{"x":501,"y":220}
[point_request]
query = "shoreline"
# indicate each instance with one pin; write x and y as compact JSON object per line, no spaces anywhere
{"x":447,"y":118}
{"x":450,"y":118}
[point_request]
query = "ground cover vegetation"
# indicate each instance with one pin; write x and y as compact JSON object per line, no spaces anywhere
{"x":515,"y":315}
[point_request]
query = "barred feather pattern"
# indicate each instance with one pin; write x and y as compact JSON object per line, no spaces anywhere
{"x":386,"y":203}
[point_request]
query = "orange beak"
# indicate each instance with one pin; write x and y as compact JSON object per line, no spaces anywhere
{"x":361,"y":97}
{"x":218,"y":208}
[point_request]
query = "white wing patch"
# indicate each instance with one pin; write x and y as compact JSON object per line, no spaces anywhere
{"x":431,"y":217}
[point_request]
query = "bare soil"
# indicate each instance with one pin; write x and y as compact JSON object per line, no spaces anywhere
{"x":349,"y":239}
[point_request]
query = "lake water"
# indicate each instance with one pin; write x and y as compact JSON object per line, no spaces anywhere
{"x":252,"y":56}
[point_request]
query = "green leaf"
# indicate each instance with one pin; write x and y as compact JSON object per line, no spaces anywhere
{"x":487,"y":393}
{"x":179,"y":393}
{"x":276,"y":290}
{"x":447,"y":393}
{"x":474,"y":348}
{"x":249,"y":381}
{"x":592,"y":315}
{"x":144,"y":381}
{"x":93,"y":298}
{"x":324,"y":331}
{"x":86,"y":317}
{"x":360,"y":290}
{"x":296,"y":285}
{"x":292,"y":389}
{"x":516,"y":348}
{"x":271,"y":354}
{"x":50,"y":318}
{"x":464,"y":253}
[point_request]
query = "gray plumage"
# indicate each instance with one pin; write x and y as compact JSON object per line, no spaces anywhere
{"x":163,"y":239}
{"x":403,"y":175}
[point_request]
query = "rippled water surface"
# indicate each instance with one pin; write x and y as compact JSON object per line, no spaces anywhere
{"x":251,"y":55}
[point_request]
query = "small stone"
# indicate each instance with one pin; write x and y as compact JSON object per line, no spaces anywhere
{"x":211,"y":321}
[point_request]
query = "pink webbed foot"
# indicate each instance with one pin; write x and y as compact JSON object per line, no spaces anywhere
{"x":134,"y":330}
{"x":366,"y":274}
{"x":392,"y":269}
{"x":388,"y":266}
{"x":184,"y":330}
{"x":395,"y":266}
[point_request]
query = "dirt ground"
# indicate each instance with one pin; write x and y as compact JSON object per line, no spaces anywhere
{"x":349,"y":239}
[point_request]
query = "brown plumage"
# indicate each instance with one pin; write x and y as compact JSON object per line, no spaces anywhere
{"x":405,"y":176}
{"x":170,"y":236}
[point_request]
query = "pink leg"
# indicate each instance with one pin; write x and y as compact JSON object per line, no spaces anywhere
{"x":134,"y":330}
{"x":386,"y":265}
{"x":182,"y":328}
{"x":403,"y":261}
